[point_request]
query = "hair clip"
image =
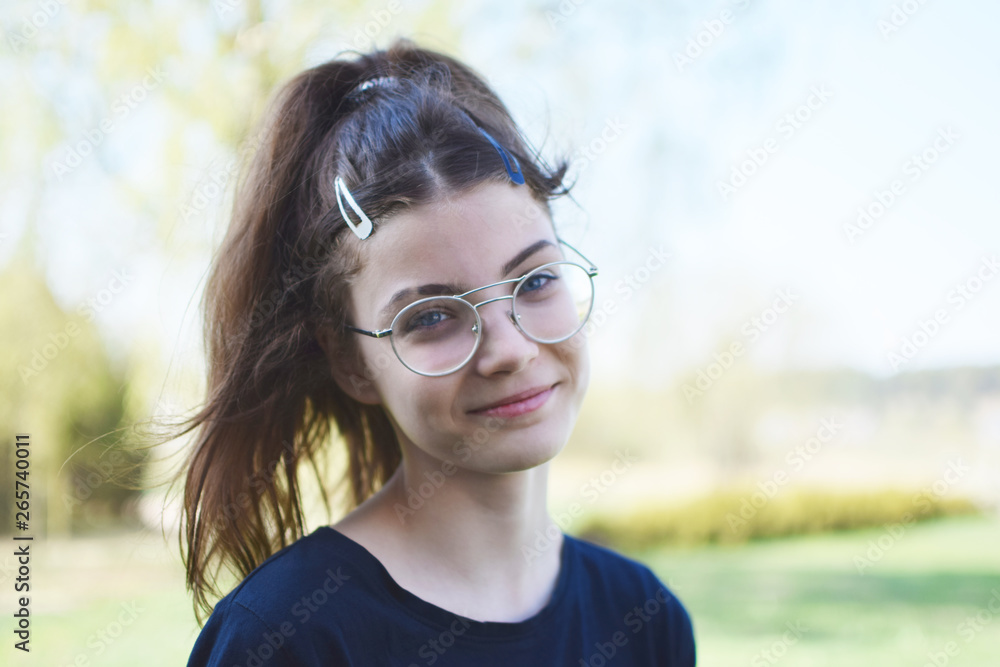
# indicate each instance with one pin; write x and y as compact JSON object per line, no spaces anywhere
{"x":513,"y":171}
{"x":364,"y":229}
{"x":358,"y":93}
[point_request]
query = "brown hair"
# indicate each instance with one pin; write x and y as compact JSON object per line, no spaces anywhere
{"x":282,"y":274}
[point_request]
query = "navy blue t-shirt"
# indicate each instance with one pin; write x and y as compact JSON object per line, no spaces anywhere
{"x":326,"y":601}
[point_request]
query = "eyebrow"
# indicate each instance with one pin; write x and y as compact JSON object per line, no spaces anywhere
{"x":444,"y":289}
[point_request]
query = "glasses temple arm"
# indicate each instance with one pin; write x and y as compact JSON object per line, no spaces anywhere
{"x":381,"y":333}
{"x":593,"y":269}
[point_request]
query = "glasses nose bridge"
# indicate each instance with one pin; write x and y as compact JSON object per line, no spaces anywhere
{"x":510,"y":311}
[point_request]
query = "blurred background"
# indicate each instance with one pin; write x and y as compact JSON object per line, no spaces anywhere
{"x":794,"y":411}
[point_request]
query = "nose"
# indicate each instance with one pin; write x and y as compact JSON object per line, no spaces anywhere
{"x":502,"y":347}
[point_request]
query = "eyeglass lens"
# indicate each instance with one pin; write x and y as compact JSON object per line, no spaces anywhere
{"x":439,"y":335}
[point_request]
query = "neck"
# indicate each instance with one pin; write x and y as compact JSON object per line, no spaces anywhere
{"x":484,"y":526}
{"x":479,"y":544}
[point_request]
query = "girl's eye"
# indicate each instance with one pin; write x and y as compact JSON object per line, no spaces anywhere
{"x":425,"y":320}
{"x":538,"y":282}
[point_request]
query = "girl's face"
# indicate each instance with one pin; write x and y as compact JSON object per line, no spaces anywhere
{"x":465,"y":242}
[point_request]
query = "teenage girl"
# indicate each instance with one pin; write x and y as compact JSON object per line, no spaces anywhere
{"x":392,"y":280}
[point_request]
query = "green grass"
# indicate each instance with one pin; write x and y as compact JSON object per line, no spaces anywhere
{"x":908,"y":603}
{"x":78,"y":591}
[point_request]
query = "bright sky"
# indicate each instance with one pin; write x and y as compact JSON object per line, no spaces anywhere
{"x":885,"y":96}
{"x":662,"y":135}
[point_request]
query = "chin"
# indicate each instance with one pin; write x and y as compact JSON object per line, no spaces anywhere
{"x":523,"y":451}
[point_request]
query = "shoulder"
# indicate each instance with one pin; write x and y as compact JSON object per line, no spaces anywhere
{"x":275,"y":601}
{"x":234,"y":634}
{"x":603,"y":564}
{"x":311,"y":569}
{"x":641,"y":598}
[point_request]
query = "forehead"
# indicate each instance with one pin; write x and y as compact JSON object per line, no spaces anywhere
{"x":465,"y":239}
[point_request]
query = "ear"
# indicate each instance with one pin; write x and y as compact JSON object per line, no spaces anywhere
{"x":348,"y":370}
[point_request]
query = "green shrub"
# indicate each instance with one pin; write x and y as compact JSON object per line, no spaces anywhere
{"x":740,"y":516}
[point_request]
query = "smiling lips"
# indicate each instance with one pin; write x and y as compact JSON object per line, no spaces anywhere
{"x":518,"y":404}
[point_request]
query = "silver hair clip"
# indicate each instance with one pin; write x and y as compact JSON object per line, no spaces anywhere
{"x":363,"y":229}
{"x":358,"y":94}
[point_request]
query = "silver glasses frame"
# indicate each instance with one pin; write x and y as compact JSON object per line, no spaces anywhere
{"x":478,"y":327}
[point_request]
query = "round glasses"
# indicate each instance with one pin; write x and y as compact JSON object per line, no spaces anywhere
{"x":438,"y":335}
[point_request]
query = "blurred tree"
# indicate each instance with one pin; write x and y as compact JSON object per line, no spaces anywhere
{"x":57,"y":385}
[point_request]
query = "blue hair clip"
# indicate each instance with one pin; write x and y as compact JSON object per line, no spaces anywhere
{"x":513,"y":171}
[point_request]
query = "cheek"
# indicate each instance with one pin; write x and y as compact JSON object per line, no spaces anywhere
{"x":420,"y":406}
{"x":379,"y":359}
{"x":575,"y":356}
